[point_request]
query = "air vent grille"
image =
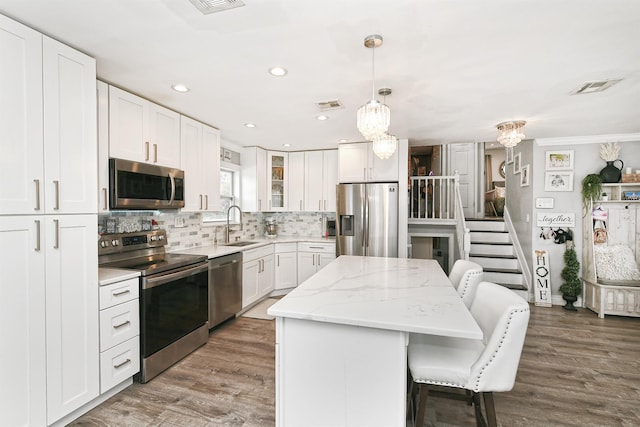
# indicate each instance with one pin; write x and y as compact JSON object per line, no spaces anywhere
{"x":213,"y":6}
{"x":590,"y":87}
{"x":329,"y":105}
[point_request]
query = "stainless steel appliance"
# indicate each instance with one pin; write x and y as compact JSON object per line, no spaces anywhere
{"x":367,"y":219}
{"x":225,"y":288}
{"x":173,"y":296}
{"x":136,"y":185}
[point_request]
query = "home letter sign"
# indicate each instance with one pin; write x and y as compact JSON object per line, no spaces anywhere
{"x":542,"y":278}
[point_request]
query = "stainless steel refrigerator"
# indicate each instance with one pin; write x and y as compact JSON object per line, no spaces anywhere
{"x":367,"y":219}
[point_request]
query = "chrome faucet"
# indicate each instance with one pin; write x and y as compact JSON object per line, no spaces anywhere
{"x":228,"y":212}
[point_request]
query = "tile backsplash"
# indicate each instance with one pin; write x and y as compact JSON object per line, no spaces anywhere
{"x":186,"y":230}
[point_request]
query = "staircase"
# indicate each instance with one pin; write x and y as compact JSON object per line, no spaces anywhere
{"x":491,"y":247}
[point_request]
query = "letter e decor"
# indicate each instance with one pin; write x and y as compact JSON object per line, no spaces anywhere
{"x":542,"y":278}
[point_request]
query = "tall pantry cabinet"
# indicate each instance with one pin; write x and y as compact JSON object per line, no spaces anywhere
{"x":48,"y":228}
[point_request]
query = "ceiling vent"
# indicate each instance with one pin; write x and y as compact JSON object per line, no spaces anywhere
{"x":213,"y":6}
{"x":590,"y":87}
{"x":329,"y":105}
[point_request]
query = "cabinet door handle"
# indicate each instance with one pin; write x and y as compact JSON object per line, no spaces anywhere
{"x":364,"y":173}
{"x":370,"y":173}
{"x":259,"y":204}
{"x":119,"y":365}
{"x":155,"y":153}
{"x":120,"y":292}
{"x":125,"y":323}
{"x":56,"y":244}
{"x":104,"y":190}
{"x":277,"y":260}
{"x":201,"y":202}
{"x":37,"y":248}
{"x":146,"y":150}
{"x":56,"y":184}
{"x":300,"y":204}
{"x":325,"y":205}
{"x":37,"y":182}
{"x":206,"y":202}
{"x":319,"y":205}
{"x":313,"y":259}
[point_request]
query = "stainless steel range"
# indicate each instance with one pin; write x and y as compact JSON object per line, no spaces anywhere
{"x":173,"y":296}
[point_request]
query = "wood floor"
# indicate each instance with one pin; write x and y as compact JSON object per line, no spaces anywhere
{"x":575,"y":370}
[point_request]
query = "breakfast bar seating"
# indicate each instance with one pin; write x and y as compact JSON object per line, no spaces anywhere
{"x":342,"y":336}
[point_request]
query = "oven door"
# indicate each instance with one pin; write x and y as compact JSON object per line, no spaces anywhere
{"x":172,"y":305}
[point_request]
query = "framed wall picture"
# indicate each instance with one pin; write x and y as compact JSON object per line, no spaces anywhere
{"x":558,"y":181}
{"x":509,"y":155}
{"x":516,"y":163}
{"x":524,"y":176}
{"x":559,"y":160}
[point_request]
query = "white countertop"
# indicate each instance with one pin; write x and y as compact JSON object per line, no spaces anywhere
{"x":107,"y":276}
{"x":402,"y":294}
{"x":212,"y":251}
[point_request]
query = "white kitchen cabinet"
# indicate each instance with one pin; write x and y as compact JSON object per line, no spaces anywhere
{"x":254,"y":180}
{"x":71,"y":306}
{"x":119,"y":333}
{"x":297,"y":180}
{"x":200,"y":160}
{"x":286,"y":265}
{"x":21,"y":133}
{"x":22,"y":321}
{"x":321,"y":172}
{"x":312,"y":257}
{"x":358,"y":163}
{"x":257,"y":274}
{"x":103,"y":147}
{"x":142,"y":131}
{"x":48,"y":137}
{"x":277,"y":177}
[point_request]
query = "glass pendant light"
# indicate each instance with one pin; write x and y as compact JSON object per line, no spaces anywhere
{"x":374,"y":117}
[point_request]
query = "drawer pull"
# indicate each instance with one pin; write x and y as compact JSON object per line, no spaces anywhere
{"x":316,"y":247}
{"x":121,"y":325}
{"x":121,"y":292}
{"x":120,"y":365}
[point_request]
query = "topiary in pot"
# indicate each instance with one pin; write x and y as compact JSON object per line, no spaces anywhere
{"x":571,"y":285}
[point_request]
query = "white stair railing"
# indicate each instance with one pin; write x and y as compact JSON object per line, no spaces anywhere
{"x":436,"y":200}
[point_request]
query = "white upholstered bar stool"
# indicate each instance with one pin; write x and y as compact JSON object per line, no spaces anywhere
{"x":465,"y":276}
{"x":479,"y":366}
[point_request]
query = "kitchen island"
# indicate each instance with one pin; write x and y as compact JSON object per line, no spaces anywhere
{"x":341,"y":339}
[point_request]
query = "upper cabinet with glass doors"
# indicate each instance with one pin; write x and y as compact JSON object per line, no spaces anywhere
{"x":277,"y":170}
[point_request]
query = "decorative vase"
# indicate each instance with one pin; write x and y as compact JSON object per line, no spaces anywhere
{"x":570,"y":299}
{"x":612,"y":173}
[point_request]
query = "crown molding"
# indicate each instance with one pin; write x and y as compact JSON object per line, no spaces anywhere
{"x":590,"y":139}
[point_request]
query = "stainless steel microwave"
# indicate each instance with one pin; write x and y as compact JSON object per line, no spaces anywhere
{"x":136,"y":185}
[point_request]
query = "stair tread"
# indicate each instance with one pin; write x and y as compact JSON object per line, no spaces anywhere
{"x":492,"y":243}
{"x":512,"y":286}
{"x":479,"y":255}
{"x":490,"y":231}
{"x":502,"y":270}
{"x":492,"y":219}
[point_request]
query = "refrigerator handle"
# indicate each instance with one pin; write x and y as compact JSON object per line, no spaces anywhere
{"x":365,"y":226}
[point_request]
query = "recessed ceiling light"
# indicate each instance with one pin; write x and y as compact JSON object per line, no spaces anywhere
{"x":322,"y":117}
{"x":278,"y":71}
{"x":286,"y":145}
{"x":343,"y":140}
{"x":249,"y":125}
{"x":180,"y":88}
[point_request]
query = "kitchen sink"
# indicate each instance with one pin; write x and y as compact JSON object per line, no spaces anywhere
{"x":243,"y":243}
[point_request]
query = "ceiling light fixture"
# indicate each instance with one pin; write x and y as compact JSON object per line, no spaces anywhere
{"x":510,"y":133}
{"x":322,"y":117}
{"x":249,"y":125}
{"x":180,"y":88}
{"x":374,"y":117}
{"x":278,"y":71}
{"x":384,"y":145}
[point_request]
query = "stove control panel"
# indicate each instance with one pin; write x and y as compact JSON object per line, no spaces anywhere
{"x":125,"y":242}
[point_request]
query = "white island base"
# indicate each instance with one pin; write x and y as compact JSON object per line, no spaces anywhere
{"x":342,"y":336}
{"x":357,"y":375}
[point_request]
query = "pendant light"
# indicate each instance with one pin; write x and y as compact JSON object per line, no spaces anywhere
{"x":374,"y":117}
{"x":511,"y":133}
{"x":384,"y":145}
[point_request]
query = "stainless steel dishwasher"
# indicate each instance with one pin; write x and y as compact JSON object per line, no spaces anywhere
{"x":225,"y":288}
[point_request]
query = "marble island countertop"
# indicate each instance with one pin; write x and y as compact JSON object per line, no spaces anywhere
{"x":409,"y":295}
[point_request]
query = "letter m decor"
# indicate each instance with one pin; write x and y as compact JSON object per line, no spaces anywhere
{"x":542,"y":278}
